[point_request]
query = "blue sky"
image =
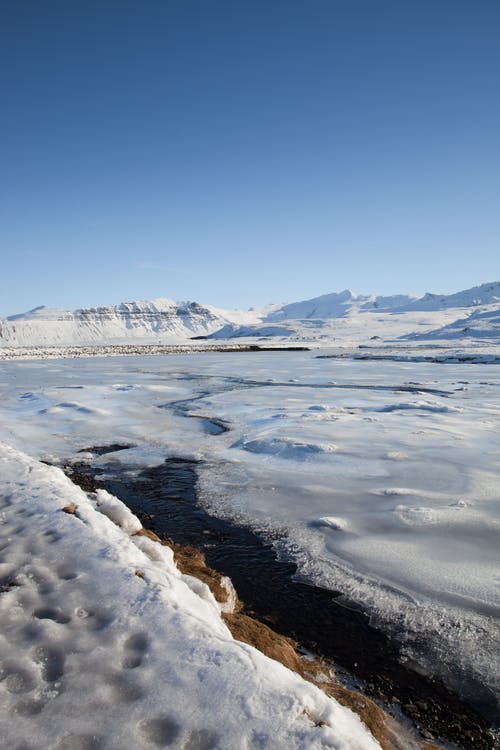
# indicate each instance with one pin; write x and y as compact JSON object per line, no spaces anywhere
{"x":239,"y":153}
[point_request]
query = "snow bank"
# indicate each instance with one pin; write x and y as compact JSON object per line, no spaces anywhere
{"x":104,"y":644}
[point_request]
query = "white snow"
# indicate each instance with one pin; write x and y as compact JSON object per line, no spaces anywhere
{"x":160,"y":320}
{"x":105,"y":645}
{"x":285,"y":447}
{"x":401,"y":456}
{"x":338,"y":305}
{"x":484,"y":294}
{"x":479,"y":324}
{"x":339,"y":524}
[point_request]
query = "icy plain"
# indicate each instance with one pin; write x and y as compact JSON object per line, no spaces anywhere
{"x":380,"y":478}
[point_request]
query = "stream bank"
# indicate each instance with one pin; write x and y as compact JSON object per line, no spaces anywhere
{"x":165,"y":499}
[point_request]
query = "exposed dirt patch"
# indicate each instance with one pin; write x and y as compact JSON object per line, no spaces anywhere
{"x":150,"y":534}
{"x":192,"y":561}
{"x":255,"y":633}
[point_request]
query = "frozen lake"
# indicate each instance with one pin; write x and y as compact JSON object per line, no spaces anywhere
{"x":380,"y":477}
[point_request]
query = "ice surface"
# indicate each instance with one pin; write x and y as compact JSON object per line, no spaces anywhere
{"x":381,"y":476}
{"x":104,"y":645}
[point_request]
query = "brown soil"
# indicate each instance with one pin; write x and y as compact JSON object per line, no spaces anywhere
{"x":150,"y":535}
{"x":255,"y":633}
{"x":191,"y":561}
{"x":85,"y":481}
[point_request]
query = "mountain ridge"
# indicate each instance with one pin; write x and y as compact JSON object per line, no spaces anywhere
{"x":163,"y":319}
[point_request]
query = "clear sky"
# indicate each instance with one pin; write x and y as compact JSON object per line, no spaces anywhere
{"x":240,"y":152}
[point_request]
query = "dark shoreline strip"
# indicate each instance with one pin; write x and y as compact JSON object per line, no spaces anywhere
{"x":123,"y":350}
{"x":164,"y":498}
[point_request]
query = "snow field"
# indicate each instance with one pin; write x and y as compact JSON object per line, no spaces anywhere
{"x":382,"y":477}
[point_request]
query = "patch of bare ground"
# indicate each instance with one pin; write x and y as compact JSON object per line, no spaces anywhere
{"x":191,"y":561}
{"x":86,"y":482}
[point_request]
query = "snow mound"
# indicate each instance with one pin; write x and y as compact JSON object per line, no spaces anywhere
{"x":286,"y":447}
{"x":117,"y":512}
{"x":420,"y":405}
{"x":333,"y":522}
{"x":105,"y":645}
{"x":74,"y":406}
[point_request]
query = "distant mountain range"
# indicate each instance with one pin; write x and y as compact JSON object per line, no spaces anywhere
{"x":470,"y":313}
{"x":339,"y":304}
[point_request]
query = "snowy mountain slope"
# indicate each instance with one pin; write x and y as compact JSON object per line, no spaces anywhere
{"x":251,"y":316}
{"x":480,"y":324}
{"x":348,"y":331}
{"x":232,"y":331}
{"x":134,"y":321}
{"x":485,"y":294}
{"x":337,"y":305}
{"x":341,"y":304}
{"x":472,"y":313}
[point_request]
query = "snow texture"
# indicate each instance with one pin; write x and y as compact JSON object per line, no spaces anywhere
{"x":379,"y":478}
{"x":105,"y":645}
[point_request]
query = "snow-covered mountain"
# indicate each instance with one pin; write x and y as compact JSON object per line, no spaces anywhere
{"x":485,"y":294}
{"x":350,"y":318}
{"x":341,"y":304}
{"x":338,"y":305}
{"x":472,"y":312}
{"x":480,"y":324}
{"x":159,"y":319}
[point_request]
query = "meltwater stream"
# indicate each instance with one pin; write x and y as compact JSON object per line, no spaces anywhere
{"x":165,"y":499}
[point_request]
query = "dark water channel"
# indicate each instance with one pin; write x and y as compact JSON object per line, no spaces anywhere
{"x":165,"y":499}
